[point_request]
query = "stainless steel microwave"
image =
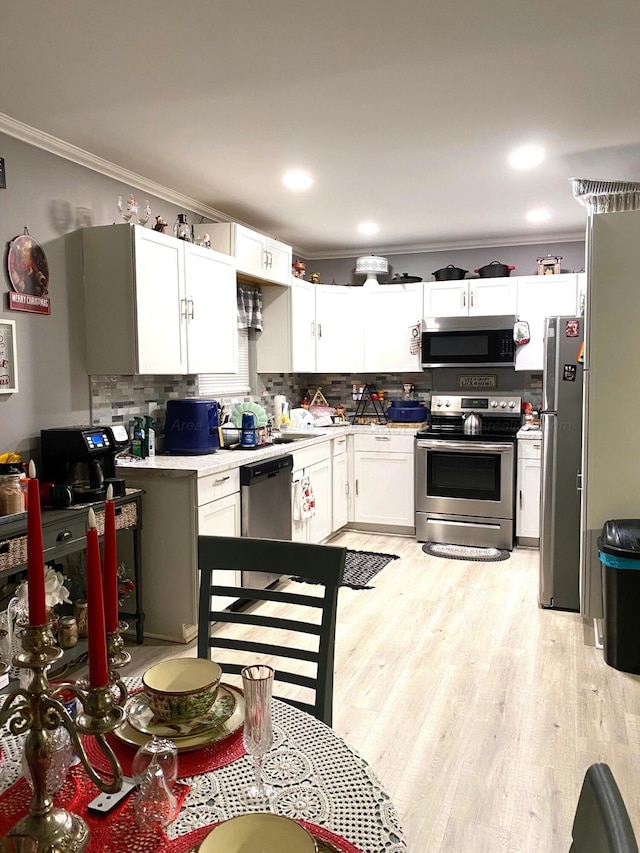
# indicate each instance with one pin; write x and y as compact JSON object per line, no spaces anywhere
{"x":468,"y":341}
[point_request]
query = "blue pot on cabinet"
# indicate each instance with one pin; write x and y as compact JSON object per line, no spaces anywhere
{"x":191,"y":427}
{"x":407,"y":411}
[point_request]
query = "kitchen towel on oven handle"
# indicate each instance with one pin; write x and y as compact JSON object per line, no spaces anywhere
{"x":304,"y":504}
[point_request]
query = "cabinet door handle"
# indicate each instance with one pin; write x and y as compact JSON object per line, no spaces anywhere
{"x":341,"y":441}
{"x":220,"y":480}
{"x":471,"y":298}
{"x":183,"y":308}
{"x":383,"y":438}
{"x":357,"y":487}
{"x":192,"y":312}
{"x":319,"y":330}
{"x":536,"y":447}
{"x":313,"y":329}
{"x":464,"y":298}
{"x":520,"y":495}
{"x":346,"y":488}
{"x":64,"y":535}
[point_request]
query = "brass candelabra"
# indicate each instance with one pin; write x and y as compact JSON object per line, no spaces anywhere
{"x":39,"y":711}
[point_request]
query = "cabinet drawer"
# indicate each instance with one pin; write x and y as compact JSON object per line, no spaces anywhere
{"x":215,"y":486}
{"x":339,"y":445}
{"x":528,"y":449}
{"x":67,"y":532}
{"x":310,"y":455}
{"x":384,"y":443}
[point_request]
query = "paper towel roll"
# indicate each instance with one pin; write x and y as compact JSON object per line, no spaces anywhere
{"x":280,"y":405}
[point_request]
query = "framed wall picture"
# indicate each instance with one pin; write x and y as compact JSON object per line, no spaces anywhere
{"x":8,"y":357}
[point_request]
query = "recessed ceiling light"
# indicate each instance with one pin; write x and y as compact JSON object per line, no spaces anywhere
{"x":526,"y":156}
{"x":368,"y":228}
{"x":538,"y":215}
{"x":297,"y":180}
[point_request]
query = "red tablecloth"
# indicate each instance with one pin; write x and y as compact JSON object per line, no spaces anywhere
{"x":112,"y":833}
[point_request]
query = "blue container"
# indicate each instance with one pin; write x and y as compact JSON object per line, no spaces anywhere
{"x":619,"y":554}
{"x":248,"y":437}
{"x":191,"y":427}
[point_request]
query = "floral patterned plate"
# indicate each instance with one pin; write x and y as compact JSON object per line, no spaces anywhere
{"x":128,"y":734}
{"x":141,"y":717}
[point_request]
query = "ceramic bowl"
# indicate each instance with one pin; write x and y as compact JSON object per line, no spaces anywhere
{"x":258,"y":832}
{"x":181,"y":688}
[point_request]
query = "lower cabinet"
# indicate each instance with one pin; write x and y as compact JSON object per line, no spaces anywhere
{"x":312,"y":466}
{"x":528,"y":491}
{"x":178,"y":506}
{"x":383,"y":486}
{"x":221,"y":518}
{"x":340,"y":484}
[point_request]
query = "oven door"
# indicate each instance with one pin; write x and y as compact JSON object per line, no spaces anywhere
{"x":465,"y":478}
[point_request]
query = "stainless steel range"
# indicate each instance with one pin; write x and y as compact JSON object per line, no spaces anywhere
{"x":465,"y":477}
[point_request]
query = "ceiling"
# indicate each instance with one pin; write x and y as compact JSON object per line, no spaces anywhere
{"x":404,"y":112}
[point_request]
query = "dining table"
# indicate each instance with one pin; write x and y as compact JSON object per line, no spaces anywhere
{"x":318,"y":780}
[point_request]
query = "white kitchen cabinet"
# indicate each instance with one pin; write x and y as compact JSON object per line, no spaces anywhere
{"x":340,"y":484}
{"x":313,"y":463}
{"x":157,"y":305}
{"x":528,"y":491}
{"x":310,"y":328}
{"x":177,"y":507}
{"x":391,"y":327}
{"x":541,"y":296}
{"x":221,"y":518}
{"x":256,"y":255}
{"x":477,"y":297}
{"x":383,"y":487}
{"x":338,"y":328}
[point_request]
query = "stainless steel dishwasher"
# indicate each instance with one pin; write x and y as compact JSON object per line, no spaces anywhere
{"x":265,"y":491}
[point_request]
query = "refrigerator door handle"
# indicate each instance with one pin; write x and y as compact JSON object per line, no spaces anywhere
{"x":579,"y":481}
{"x":546,"y":508}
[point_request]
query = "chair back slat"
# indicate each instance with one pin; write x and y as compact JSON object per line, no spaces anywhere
{"x":272,"y":610}
{"x":601,"y":823}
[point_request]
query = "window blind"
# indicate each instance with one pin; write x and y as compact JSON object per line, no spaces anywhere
{"x":212,"y":384}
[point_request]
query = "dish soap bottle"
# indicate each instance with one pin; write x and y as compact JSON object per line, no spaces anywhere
{"x":137,"y":444}
{"x":149,"y":437}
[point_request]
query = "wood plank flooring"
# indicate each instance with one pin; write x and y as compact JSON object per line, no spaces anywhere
{"x":479,"y":711}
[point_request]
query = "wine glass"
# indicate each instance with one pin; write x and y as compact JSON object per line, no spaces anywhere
{"x":257,"y":681}
{"x":163,"y":752}
{"x":154,"y":805}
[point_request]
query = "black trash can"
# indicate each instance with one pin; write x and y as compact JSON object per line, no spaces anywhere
{"x":619,"y":553}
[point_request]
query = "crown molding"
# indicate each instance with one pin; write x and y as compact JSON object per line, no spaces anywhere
{"x":40,"y":139}
{"x":529,"y":240}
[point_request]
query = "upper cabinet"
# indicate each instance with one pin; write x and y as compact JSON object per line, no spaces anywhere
{"x":157,"y":305}
{"x":391,"y":336}
{"x":256,"y":255}
{"x":541,"y":296}
{"x":310,"y":328}
{"x":476,"y":297}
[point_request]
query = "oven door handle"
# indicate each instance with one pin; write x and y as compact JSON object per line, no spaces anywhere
{"x":465,"y":447}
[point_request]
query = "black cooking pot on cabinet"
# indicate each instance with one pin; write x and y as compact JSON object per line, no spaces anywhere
{"x":449,"y":273}
{"x":494,"y":270}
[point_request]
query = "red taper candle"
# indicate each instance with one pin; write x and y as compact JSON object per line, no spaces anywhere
{"x":98,"y":669}
{"x":35,"y":553}
{"x":110,"y":568}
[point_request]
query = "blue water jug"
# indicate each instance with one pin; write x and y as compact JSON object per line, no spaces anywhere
{"x":248,"y":435}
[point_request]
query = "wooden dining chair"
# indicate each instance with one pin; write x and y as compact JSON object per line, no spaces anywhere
{"x":292,"y":629}
{"x":601,"y":823}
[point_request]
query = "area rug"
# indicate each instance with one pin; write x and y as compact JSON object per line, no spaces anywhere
{"x":359,"y":568}
{"x":465,"y":552}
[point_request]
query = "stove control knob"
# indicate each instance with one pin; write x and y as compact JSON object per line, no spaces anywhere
{"x":438,"y":402}
{"x":447,"y":403}
{"x":503,"y":404}
{"x":512,"y":405}
{"x":494,"y":404}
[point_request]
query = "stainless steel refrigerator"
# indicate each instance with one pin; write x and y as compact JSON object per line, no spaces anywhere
{"x":561,"y":421}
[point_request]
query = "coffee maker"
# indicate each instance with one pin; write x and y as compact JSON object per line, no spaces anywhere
{"x":83,"y":457}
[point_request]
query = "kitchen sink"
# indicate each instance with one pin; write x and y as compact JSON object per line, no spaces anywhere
{"x":288,"y":439}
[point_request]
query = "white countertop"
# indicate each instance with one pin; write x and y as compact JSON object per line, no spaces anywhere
{"x":224,"y":460}
{"x":528,"y":433}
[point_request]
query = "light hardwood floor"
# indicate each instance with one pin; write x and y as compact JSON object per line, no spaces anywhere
{"x":479,"y":711}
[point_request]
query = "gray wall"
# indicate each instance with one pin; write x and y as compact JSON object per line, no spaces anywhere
{"x":53,"y":198}
{"x":423,"y":264}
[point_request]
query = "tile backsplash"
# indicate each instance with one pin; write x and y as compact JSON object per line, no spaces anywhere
{"x":117,"y":399}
